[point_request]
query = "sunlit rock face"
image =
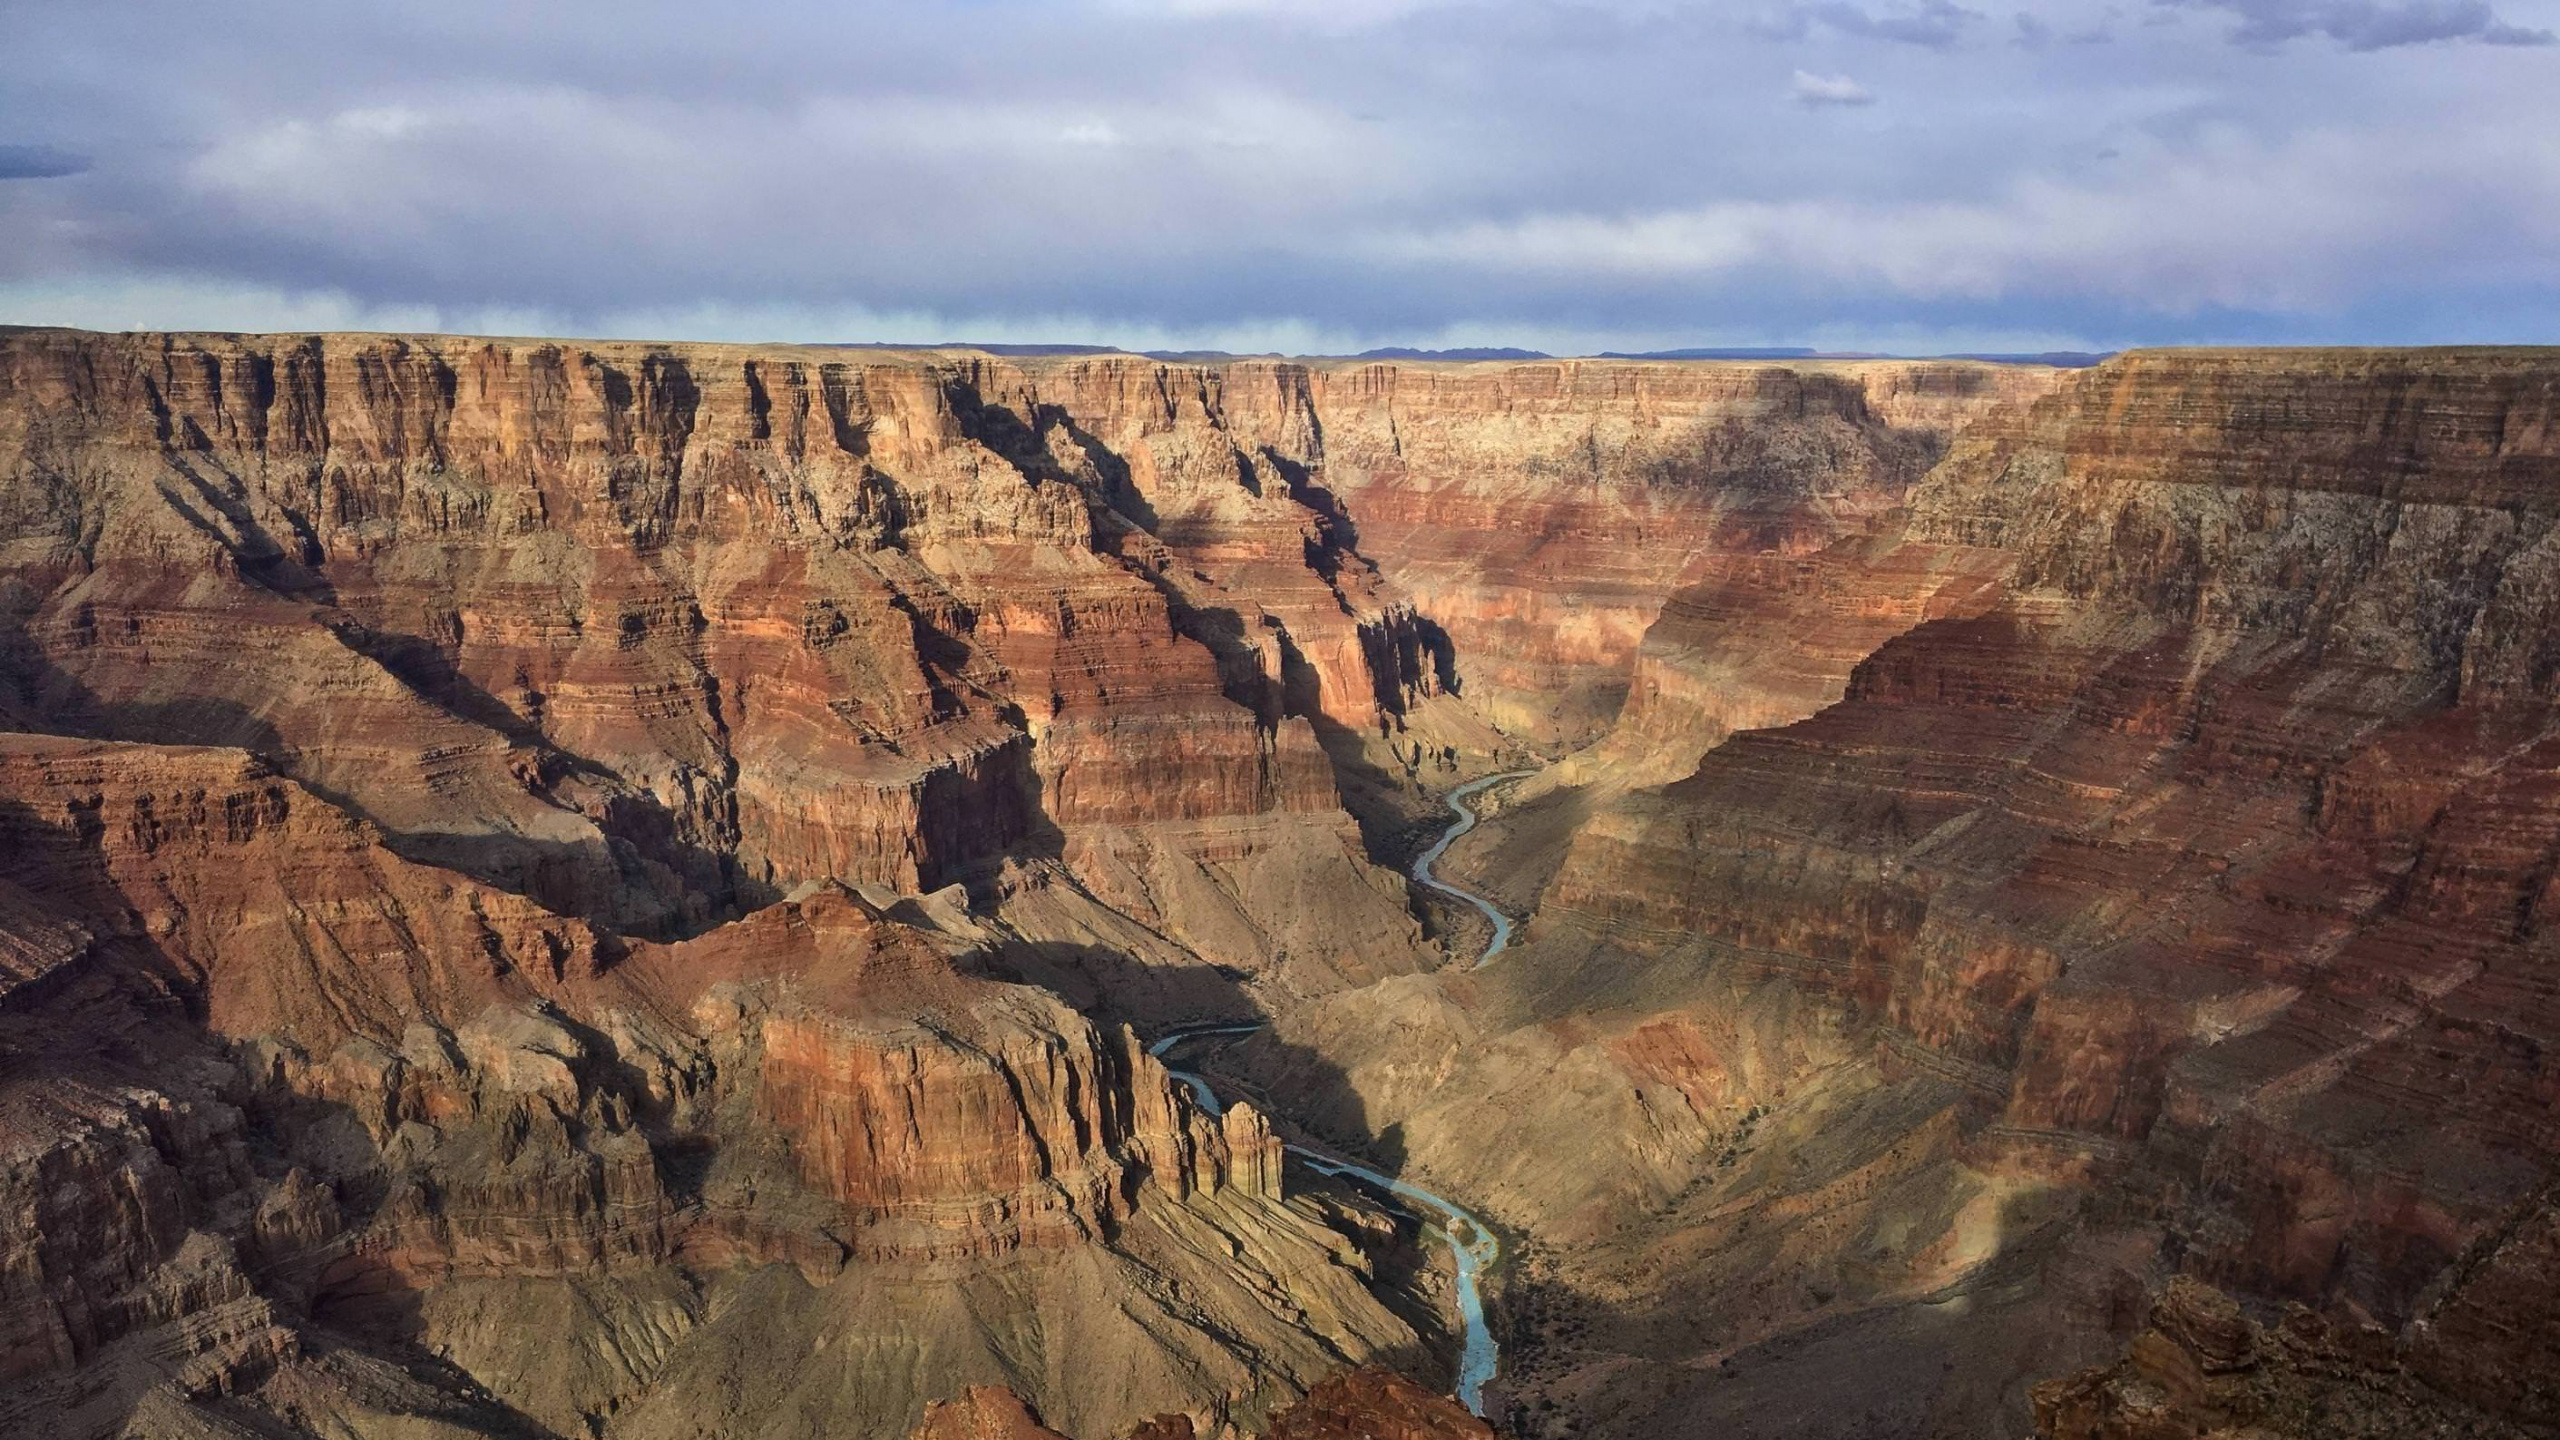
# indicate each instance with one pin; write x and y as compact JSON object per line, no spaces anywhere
{"x":273,"y":1086}
{"x":652,"y":634}
{"x":1546,"y":511}
{"x":2247,"y":723}
{"x":2128,"y":861}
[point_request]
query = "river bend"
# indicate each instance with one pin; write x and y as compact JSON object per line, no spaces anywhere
{"x":1471,"y":1245}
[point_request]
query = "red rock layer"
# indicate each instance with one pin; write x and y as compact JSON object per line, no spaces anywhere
{"x":1542,"y":513}
{"x":2214,"y":841}
{"x":1375,"y":1404}
{"x":654,"y":633}
{"x":1768,"y":639}
{"x":405,"y":1077}
{"x":645,"y":632}
{"x":1510,"y":528}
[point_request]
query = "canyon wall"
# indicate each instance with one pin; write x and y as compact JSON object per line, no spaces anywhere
{"x":2131,"y":862}
{"x":664,"y":839}
{"x":495,"y":822}
{"x":278,"y":1101}
{"x":1548,"y":510}
{"x":653,"y":634}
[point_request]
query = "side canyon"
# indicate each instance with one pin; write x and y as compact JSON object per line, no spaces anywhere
{"x":602,"y":889}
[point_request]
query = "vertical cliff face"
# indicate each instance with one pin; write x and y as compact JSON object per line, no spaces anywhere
{"x":414,"y":740}
{"x":1514,"y":527}
{"x":2155,"y":816}
{"x":652,"y":634}
{"x":1546,"y":511}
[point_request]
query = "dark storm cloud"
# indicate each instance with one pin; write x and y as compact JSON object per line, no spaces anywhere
{"x":2368,"y":25}
{"x":39,"y":162}
{"x":1302,"y":174}
{"x":1935,"y":24}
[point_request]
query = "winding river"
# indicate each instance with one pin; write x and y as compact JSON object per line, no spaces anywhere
{"x":1471,"y":1245}
{"x":1465,"y":822}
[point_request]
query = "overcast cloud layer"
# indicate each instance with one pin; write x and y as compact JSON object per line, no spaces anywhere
{"x":1303,"y":175}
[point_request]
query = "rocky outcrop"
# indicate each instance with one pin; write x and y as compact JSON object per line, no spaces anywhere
{"x":649,"y":634}
{"x":2201,"y":1367}
{"x":338,"y":1088}
{"x":275,"y":910}
{"x":1375,"y":1405}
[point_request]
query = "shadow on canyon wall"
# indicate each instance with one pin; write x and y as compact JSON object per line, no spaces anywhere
{"x":642,"y":876}
{"x":1806,"y":1348}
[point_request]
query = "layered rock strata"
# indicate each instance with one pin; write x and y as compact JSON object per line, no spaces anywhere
{"x":2137,"y":870}
{"x":648,"y":634}
{"x":1548,"y":510}
{"x":2118,"y":855}
{"x":653,"y":634}
{"x":277,"y":1086}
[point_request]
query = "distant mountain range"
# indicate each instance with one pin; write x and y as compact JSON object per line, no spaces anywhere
{"x":1481,"y":352}
{"x":2068,"y":359}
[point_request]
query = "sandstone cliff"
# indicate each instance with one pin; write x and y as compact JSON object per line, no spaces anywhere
{"x":511,"y":831}
{"x":653,"y":634}
{"x":1548,"y":510}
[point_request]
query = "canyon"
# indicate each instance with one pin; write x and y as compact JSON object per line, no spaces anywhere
{"x":566,"y":888}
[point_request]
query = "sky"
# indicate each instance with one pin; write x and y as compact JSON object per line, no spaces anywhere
{"x":1308,"y":176}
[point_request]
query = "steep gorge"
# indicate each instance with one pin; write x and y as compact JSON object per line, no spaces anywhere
{"x":519,"y":829}
{"x":2135,"y":871}
{"x":663,"y":845}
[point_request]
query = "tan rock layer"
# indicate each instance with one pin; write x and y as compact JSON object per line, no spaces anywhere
{"x":1367,"y":1404}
